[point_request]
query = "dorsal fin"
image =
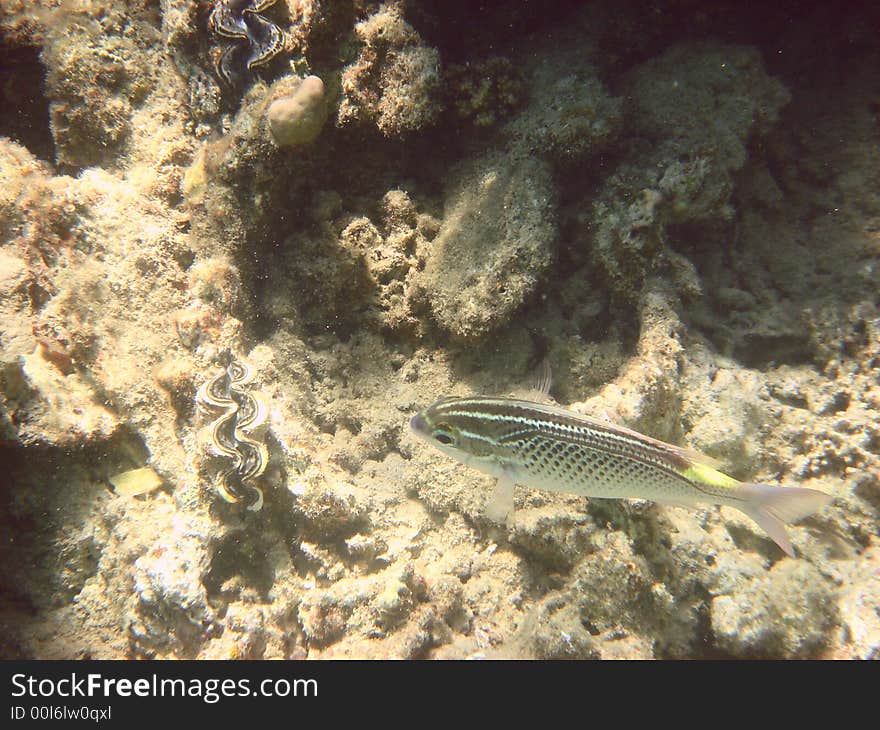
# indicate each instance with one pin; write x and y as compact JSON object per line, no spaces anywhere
{"x":698,"y":457}
{"x":542,"y":379}
{"x":540,"y":382}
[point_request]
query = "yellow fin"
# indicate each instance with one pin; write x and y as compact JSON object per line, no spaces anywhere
{"x":710,"y":476}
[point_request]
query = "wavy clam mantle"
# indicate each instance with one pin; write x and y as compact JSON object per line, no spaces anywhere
{"x":236,"y":413}
{"x":250,"y":40}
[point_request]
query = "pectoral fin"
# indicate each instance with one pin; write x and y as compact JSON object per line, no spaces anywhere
{"x":499,"y":506}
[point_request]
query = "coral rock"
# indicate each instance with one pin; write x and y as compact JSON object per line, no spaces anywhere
{"x":494,"y":245}
{"x":785,"y":614}
{"x":395,"y":81}
{"x":298,"y":119}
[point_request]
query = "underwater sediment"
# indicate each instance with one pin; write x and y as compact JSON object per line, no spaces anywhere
{"x":238,"y":250}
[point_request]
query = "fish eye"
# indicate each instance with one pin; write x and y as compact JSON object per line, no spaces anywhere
{"x":443,"y":434}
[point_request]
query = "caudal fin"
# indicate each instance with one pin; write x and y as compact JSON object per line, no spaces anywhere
{"x":773,"y":507}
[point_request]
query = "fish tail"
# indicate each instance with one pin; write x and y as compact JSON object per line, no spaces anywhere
{"x":774,"y":507}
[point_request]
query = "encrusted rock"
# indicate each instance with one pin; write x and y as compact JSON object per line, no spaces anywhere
{"x":787,"y":613}
{"x":395,"y":81}
{"x":298,"y":118}
{"x":494,"y":245}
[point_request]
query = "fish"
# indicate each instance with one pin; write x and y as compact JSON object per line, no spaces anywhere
{"x":550,"y":448}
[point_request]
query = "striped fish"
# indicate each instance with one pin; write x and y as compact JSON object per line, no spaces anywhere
{"x":547,"y":447}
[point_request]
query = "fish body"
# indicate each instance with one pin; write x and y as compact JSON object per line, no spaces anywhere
{"x":550,"y":448}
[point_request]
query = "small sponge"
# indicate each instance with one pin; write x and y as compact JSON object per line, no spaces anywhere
{"x":298,"y":119}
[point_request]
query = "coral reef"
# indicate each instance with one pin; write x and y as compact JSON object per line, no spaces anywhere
{"x":486,"y":91}
{"x":682,"y":167}
{"x":395,"y":82}
{"x":412,"y":202}
{"x":796,"y":626}
{"x":569,"y":117}
{"x":358,"y":268}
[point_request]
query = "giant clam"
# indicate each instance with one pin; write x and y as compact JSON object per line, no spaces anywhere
{"x":236,"y":413}
{"x":249,"y":40}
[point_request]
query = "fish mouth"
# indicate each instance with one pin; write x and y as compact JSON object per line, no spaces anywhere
{"x":418,"y":424}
